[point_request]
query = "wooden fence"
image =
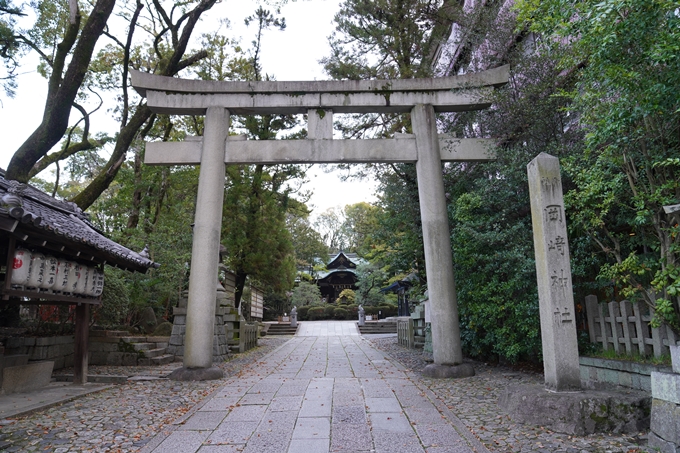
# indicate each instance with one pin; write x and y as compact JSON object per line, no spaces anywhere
{"x":624,"y":327}
{"x":405,"y":332}
{"x":247,"y":336}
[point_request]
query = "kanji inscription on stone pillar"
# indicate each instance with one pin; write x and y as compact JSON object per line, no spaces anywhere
{"x":553,"y":274}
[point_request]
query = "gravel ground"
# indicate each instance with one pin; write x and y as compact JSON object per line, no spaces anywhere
{"x":474,"y":401}
{"x":120,"y":419}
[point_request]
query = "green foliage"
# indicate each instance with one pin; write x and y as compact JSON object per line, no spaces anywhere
{"x":627,"y":100}
{"x":346,"y":296}
{"x":307,"y":242}
{"x":316,"y":313}
{"x":610,"y":354}
{"x":328,"y":311}
{"x":370,"y":279}
{"x":115,"y":308}
{"x":10,"y":45}
{"x":302,"y":312}
{"x":305,"y":294}
{"x":341,"y":313}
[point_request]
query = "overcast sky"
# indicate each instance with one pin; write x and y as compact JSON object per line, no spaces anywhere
{"x":292,"y":54}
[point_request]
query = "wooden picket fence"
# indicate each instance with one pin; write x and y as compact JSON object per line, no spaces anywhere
{"x":624,"y":327}
{"x":405,"y":332}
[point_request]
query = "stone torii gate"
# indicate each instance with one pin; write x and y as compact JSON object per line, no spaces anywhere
{"x":319,"y":100}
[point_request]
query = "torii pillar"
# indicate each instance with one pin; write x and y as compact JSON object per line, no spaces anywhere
{"x":198,"y":346}
{"x":319,"y":100}
{"x":441,"y":288}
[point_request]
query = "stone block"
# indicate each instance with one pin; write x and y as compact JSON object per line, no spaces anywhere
{"x":660,"y":445}
{"x":626,"y":379}
{"x":101,"y":340}
{"x":665,"y":420}
{"x":579,"y":413}
{"x":45,"y":341}
{"x":115,"y":358}
{"x":129,"y":359}
{"x":666,"y":386}
{"x":59,"y":363}
{"x":53,"y":351}
{"x":97,"y":358}
{"x":24,"y":378}
{"x":68,"y":360}
{"x":675,"y":358}
{"x":37,"y":353}
{"x":14,"y":342}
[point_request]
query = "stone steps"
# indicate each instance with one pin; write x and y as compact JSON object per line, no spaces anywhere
{"x":121,"y":348}
{"x":163,"y":359}
{"x":281,"y":329}
{"x":378,"y":328}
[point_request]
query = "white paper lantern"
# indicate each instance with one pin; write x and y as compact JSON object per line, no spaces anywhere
{"x":21,"y":269}
{"x":50,"y":273}
{"x":73,"y":278}
{"x":81,"y":287}
{"x":100,"y":284}
{"x":35,"y":278}
{"x":63,"y":272}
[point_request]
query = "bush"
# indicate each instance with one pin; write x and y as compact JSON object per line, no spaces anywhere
{"x":347,"y":296}
{"x":340,"y":313}
{"x":388,"y":310}
{"x":302,"y":313}
{"x":305,"y":294}
{"x":328,"y":311}
{"x":373,"y":311}
{"x":353,"y":311}
{"x":316,"y":313}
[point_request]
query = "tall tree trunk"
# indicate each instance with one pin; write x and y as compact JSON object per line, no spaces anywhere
{"x":129,"y":131}
{"x":61,"y":92}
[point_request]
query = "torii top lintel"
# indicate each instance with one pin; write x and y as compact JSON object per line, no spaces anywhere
{"x":193,"y":97}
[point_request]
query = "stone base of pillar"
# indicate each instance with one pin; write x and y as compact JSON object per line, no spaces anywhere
{"x":196,"y":374}
{"x":448,"y":371}
{"x":578,"y":413}
{"x":664,"y":433}
{"x":223,"y":329}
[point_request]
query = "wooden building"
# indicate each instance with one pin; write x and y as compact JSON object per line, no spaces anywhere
{"x":340,"y":275}
{"x":53,"y":255}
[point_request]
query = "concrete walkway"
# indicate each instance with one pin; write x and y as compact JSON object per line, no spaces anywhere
{"x":328,"y":392}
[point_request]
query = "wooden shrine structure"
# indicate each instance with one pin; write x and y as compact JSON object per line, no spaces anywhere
{"x":47,"y":239}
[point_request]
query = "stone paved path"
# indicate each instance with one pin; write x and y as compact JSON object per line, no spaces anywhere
{"x":320,"y":394}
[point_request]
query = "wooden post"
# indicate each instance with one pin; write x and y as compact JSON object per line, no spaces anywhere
{"x":628,"y":326}
{"x":642,"y":328}
{"x":592,"y":310}
{"x":614,"y":325}
{"x":81,"y":343}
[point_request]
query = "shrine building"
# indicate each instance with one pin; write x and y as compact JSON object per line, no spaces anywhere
{"x":340,"y":274}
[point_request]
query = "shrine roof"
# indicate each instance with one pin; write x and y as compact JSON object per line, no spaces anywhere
{"x":61,"y":227}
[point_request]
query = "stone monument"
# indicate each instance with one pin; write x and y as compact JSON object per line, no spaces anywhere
{"x":559,"y":404}
{"x":362,"y":316}
{"x":553,"y":274}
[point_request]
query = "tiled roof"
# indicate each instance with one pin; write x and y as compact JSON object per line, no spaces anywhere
{"x":63,"y":223}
